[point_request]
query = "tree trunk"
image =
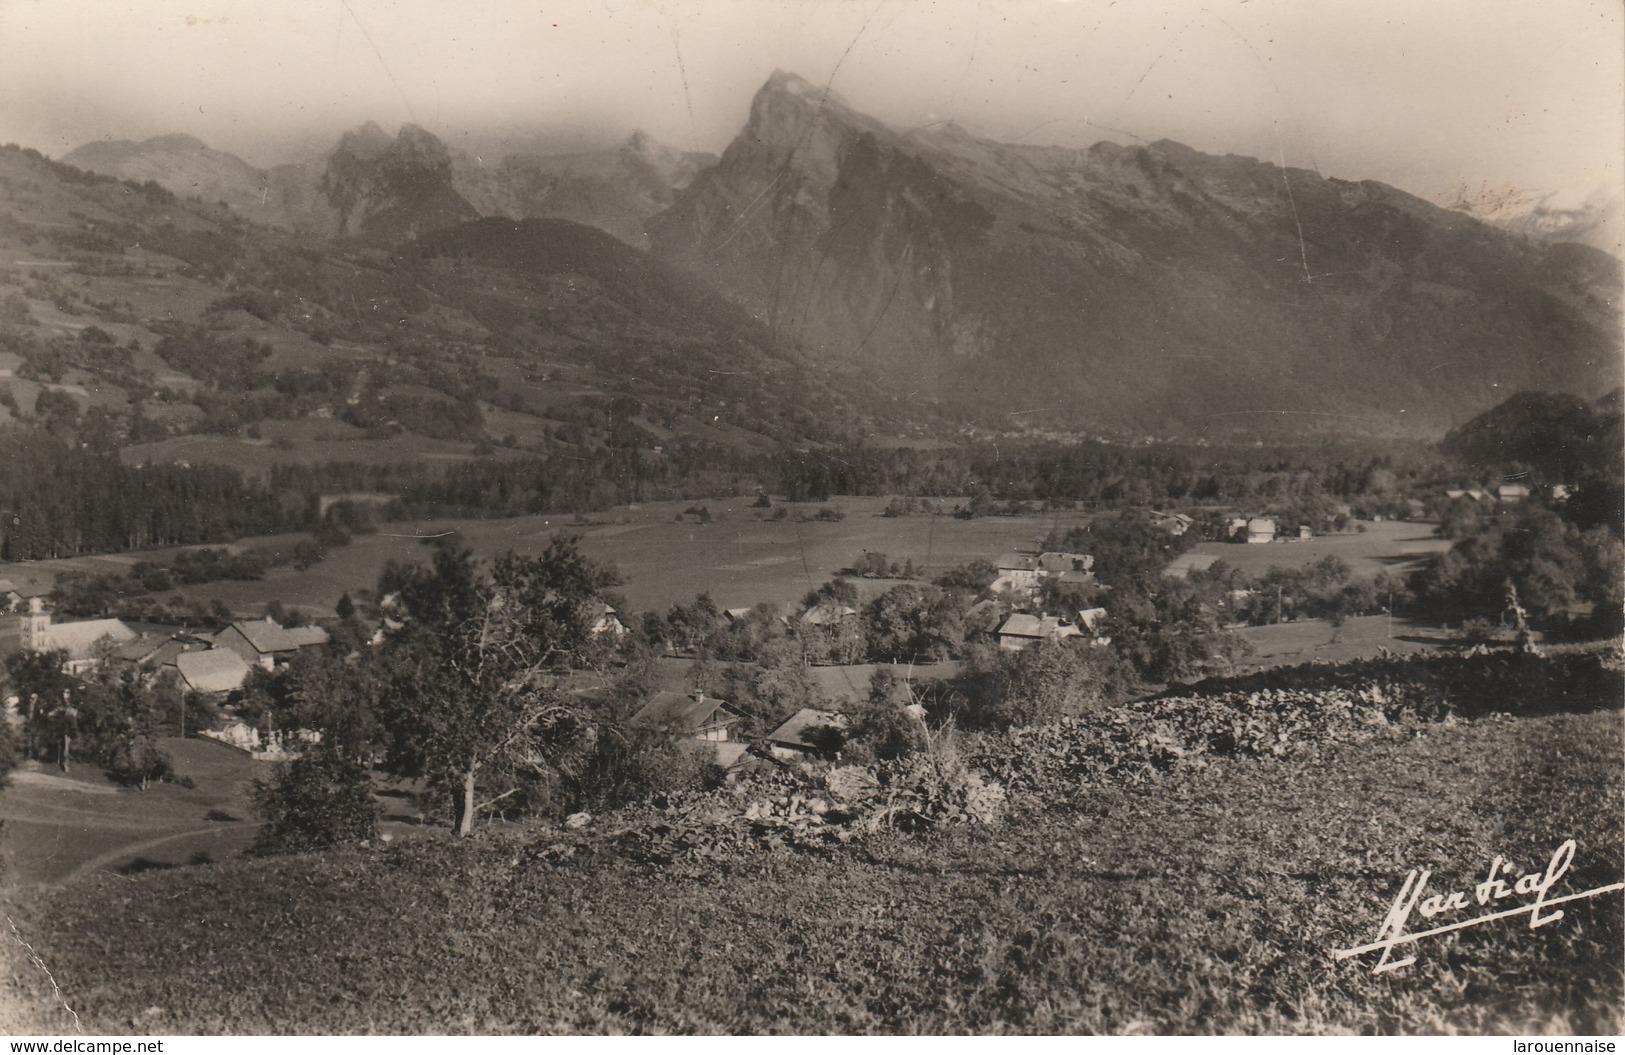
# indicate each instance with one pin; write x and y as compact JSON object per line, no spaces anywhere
{"x":465,"y":807}
{"x":66,"y":760}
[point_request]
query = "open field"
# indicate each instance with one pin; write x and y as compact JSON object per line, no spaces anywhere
{"x":740,"y":558}
{"x":1208,"y":901}
{"x":1396,"y":546}
{"x":1362,"y":637}
{"x":57,"y":825}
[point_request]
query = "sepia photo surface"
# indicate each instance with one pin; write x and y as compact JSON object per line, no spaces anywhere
{"x":762,"y":517}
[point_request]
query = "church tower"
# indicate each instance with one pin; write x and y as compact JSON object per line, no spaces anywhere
{"x":35,"y":626}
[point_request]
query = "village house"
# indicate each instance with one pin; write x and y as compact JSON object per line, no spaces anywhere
{"x":213,"y":672}
{"x":1093,"y":621}
{"x":693,"y":715}
{"x":606,"y":620}
{"x":155,"y":653}
{"x":1018,"y":573}
{"x":1066,"y":567}
{"x":799,"y":736}
{"x":265,"y":642}
{"x":1022,"y":630}
{"x":828,"y":613}
{"x":1511,"y":494}
{"x":84,"y":641}
{"x":1260,"y":530}
{"x":14,"y":597}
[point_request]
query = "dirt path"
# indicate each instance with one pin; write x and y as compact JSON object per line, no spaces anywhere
{"x":97,"y":863}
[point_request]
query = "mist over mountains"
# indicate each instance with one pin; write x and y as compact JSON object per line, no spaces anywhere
{"x":1150,"y":287}
{"x":388,"y":188}
{"x":1137,"y":291}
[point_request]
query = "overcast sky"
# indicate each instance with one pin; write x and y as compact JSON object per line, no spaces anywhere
{"x":1428,"y":95}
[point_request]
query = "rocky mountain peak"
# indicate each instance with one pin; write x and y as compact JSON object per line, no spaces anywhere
{"x":1150,"y":287}
{"x":392,"y":188}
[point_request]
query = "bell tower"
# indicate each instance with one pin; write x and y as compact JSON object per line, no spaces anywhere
{"x":34,"y":625}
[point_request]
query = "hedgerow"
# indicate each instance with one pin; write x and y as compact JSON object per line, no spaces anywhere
{"x":1294,"y":710}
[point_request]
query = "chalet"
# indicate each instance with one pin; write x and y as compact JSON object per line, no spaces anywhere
{"x":213,"y":672}
{"x":1093,"y":621}
{"x":799,"y":736}
{"x":693,"y":715}
{"x":1023,"y":630}
{"x":84,"y":642}
{"x":1018,"y":573}
{"x":266,"y":642}
{"x":1260,"y":529}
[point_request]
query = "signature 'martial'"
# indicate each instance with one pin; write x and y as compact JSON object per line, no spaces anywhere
{"x":1497,"y":886}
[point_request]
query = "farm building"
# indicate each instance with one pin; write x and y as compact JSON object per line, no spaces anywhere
{"x":693,"y":715}
{"x":266,"y":642}
{"x":1023,"y":630}
{"x":800,"y":735}
{"x":213,"y":672}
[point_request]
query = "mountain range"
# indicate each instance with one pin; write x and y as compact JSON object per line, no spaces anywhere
{"x":1131,"y":291}
{"x":1150,"y":288}
{"x":373,"y":185}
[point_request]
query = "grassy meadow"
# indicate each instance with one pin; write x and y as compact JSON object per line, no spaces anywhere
{"x":1207,"y":901}
{"x":740,"y":557}
{"x":1396,"y":546}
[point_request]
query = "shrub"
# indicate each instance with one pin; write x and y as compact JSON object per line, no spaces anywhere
{"x":321,"y":800}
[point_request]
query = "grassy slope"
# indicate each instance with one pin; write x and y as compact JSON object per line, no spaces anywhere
{"x":1207,"y":902}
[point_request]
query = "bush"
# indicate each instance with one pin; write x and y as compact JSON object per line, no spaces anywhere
{"x":316,"y":802}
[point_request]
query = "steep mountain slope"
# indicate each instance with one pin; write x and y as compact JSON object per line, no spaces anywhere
{"x":172,"y":330}
{"x":1153,"y":289}
{"x":284,"y":196}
